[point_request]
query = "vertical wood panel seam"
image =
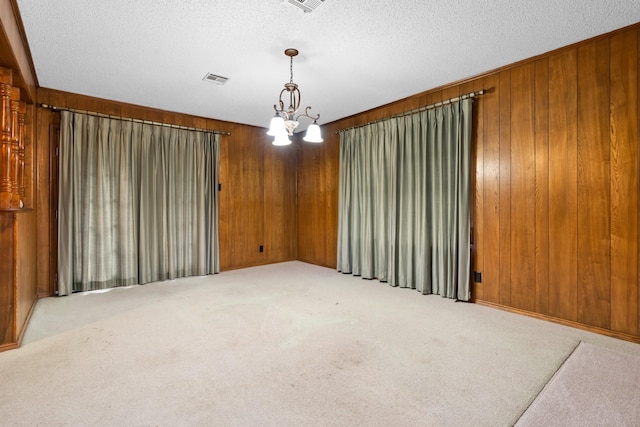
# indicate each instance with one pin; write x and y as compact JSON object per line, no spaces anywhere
{"x":609,"y":188}
{"x":499,"y":136}
{"x":577,"y":180}
{"x":610,"y":178}
{"x":534,"y":126}
{"x":511,"y":186}
{"x":637,"y":177}
{"x":548,"y":148}
{"x":14,"y":274}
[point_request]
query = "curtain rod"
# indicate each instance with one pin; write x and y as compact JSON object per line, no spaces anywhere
{"x":111,"y":116}
{"x":420,"y":109}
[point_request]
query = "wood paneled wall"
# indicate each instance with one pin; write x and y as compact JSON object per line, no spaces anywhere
{"x":257,"y":201}
{"x":7,"y":284}
{"x":555,"y":218}
{"x":318,"y":200}
{"x":14,"y":50}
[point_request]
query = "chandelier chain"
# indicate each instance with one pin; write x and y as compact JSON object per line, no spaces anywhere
{"x":291,"y":69}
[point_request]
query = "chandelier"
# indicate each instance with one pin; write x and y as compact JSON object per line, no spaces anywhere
{"x":285,"y":120}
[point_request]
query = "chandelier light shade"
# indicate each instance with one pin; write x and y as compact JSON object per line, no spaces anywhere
{"x":313,"y":133}
{"x":281,"y":139}
{"x":277,"y":126}
{"x":285,"y":120}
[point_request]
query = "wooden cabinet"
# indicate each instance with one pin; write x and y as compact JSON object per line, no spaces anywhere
{"x":12,"y":145}
{"x":17,"y":217}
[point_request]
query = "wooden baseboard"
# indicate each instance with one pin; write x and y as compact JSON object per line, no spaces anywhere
{"x":594,"y":329}
{"x":10,"y":346}
{"x":259,"y":264}
{"x":320,"y":264}
{"x":26,"y":322}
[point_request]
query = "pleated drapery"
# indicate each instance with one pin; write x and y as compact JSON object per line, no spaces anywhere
{"x":404,"y":201}
{"x":137,"y":203}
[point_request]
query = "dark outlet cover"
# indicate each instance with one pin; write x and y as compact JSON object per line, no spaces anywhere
{"x":261,"y":248}
{"x":477,"y":277}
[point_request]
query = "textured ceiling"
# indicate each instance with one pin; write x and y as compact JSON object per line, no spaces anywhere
{"x":354,"y":54}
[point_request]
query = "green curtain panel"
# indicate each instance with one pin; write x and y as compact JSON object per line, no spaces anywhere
{"x":137,"y":203}
{"x":404,"y":201}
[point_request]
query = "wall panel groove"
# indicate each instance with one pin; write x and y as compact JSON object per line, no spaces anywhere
{"x":624,"y":192}
{"x":523,"y":210}
{"x":505,"y":187}
{"x":563,"y":185}
{"x":491,"y":203}
{"x":541,"y":90}
{"x":594,"y":274}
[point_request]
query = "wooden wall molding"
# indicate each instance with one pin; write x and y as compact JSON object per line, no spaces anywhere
{"x":14,"y":50}
{"x":577,"y":325}
{"x":62,"y":100}
{"x":5,"y":347}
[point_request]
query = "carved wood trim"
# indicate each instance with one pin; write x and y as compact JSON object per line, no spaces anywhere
{"x":12,"y":145}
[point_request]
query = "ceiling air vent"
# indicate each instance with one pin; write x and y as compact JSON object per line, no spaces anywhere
{"x":307,"y":5}
{"x":213,"y":78}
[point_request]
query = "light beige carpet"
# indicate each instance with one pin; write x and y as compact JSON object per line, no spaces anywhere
{"x":594,"y":387}
{"x":288,"y":344}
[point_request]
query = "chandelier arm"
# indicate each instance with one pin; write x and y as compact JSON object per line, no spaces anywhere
{"x":294,"y":98}
{"x":280,"y":110}
{"x":306,"y":114}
